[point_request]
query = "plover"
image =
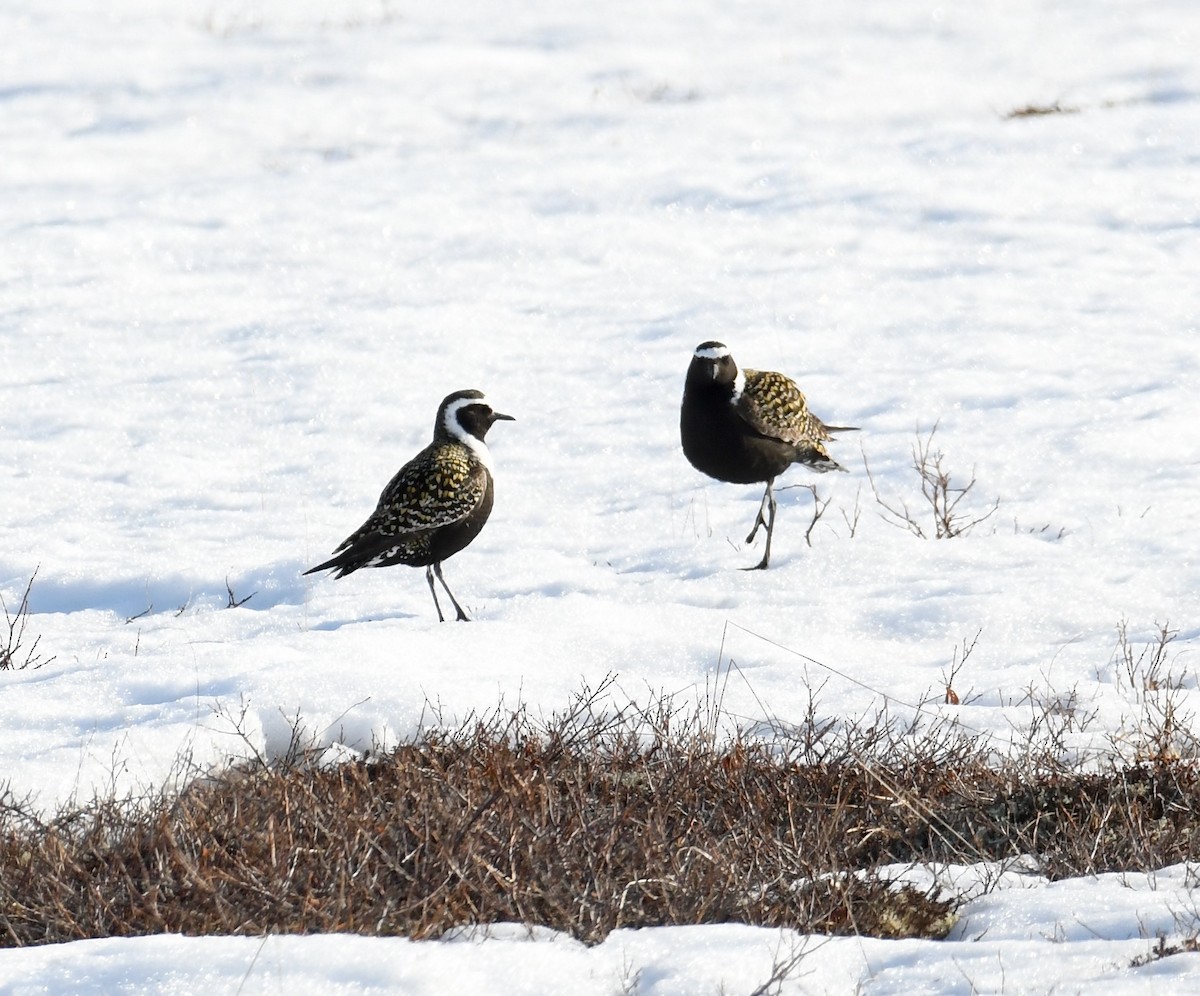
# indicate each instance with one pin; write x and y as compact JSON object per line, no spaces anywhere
{"x":435,"y":505}
{"x":747,"y":427}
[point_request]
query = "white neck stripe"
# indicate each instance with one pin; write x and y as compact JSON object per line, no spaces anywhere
{"x":712,"y":353}
{"x":739,"y":385}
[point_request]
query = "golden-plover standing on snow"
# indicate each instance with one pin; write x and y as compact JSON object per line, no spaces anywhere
{"x":748,"y":427}
{"x":435,"y":505}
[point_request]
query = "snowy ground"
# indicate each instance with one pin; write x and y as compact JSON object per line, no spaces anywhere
{"x":248,"y":246}
{"x":1017,"y":941}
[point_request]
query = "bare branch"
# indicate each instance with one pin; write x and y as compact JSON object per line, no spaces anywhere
{"x":14,"y":655}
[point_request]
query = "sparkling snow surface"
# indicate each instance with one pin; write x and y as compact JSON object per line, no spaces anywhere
{"x":249,"y":246}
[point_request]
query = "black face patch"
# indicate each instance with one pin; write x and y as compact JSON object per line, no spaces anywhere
{"x":476,"y":419}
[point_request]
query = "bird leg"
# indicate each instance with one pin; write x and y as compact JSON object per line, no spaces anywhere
{"x":462,"y":616}
{"x":768,"y":503}
{"x":433,"y":592}
{"x":760,"y":521}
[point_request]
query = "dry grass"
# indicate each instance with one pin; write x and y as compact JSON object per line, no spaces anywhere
{"x":586,"y":822}
{"x":1040,"y":110}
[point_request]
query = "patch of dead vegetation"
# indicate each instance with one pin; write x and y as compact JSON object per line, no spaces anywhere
{"x":1040,"y":110}
{"x":587,"y":822}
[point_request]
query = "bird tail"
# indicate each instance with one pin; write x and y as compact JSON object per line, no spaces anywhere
{"x":814,"y":457}
{"x":341,"y":565}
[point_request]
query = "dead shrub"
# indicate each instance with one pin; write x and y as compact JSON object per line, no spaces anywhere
{"x":941,"y":497}
{"x":586,"y":822}
{"x":16,"y":652}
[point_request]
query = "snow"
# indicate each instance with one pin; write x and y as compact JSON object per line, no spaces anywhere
{"x":1020,"y":942}
{"x":249,"y":246}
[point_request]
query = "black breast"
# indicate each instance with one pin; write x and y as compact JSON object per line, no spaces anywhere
{"x":448,"y":540}
{"x":719,"y":443}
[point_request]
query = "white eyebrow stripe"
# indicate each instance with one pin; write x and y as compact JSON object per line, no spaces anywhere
{"x":713,"y":353}
{"x":450,"y":416}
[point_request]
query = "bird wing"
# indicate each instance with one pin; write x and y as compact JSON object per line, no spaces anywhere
{"x":774,"y":406}
{"x":436,"y":488}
